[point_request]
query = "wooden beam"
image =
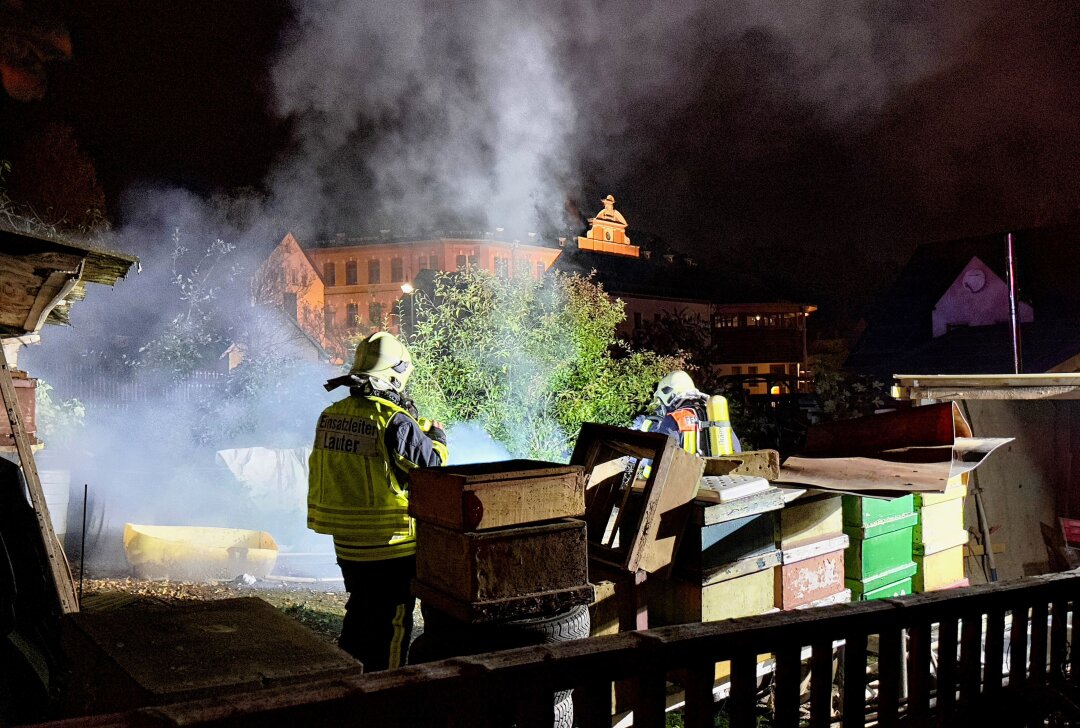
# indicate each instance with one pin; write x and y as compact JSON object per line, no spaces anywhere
{"x":58,"y":566}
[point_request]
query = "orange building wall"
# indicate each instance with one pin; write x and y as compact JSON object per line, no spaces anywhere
{"x":388,"y":290}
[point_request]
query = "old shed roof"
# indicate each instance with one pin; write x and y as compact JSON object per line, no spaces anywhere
{"x":41,"y":277}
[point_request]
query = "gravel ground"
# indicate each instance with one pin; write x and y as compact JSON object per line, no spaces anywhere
{"x":318,"y":606}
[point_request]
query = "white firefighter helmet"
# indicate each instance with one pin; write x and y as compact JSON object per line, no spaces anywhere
{"x":385,"y":359}
{"x":672,"y":387}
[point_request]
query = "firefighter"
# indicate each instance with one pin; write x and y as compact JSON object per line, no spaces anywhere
{"x":699,"y":421}
{"x":365,"y":446}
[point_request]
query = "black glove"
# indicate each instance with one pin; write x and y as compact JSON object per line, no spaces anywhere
{"x":437,"y":434}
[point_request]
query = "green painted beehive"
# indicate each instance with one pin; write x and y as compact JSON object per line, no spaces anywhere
{"x":866,"y":557}
{"x":866,"y":512}
{"x":895,"y":589}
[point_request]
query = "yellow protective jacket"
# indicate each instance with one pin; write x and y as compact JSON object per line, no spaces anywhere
{"x":364,"y":448}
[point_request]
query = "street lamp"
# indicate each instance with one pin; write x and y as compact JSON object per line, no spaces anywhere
{"x":408,"y":290}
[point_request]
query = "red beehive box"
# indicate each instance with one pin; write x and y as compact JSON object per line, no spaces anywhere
{"x":25,"y":392}
{"x":810,"y":572}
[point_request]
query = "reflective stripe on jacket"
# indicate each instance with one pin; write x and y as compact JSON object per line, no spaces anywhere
{"x":355,"y":484}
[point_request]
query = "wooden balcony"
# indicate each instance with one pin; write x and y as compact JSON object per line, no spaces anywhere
{"x":997,"y":654}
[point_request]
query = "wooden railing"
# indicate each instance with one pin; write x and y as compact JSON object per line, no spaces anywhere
{"x":963,"y":632}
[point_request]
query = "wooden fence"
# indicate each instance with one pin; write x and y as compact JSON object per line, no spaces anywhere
{"x":963,"y":666}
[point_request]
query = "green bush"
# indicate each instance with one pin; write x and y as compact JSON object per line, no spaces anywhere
{"x":528,"y":360}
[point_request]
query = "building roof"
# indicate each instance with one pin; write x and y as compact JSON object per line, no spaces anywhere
{"x":899,"y":333}
{"x":479,"y":236}
{"x":41,"y":277}
{"x":652,"y":277}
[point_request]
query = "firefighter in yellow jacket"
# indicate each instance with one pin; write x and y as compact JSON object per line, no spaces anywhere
{"x":365,"y":446}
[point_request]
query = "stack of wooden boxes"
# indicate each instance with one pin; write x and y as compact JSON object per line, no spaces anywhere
{"x":879,"y":559}
{"x":939,"y":537}
{"x":726,"y":563}
{"x":500,"y":541}
{"x":812,"y":546}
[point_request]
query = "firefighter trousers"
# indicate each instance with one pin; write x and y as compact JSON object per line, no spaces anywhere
{"x":379,"y":613}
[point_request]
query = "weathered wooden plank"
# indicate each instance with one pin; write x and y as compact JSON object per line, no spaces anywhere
{"x":821,"y":682}
{"x":764,"y":463}
{"x":1058,"y":636}
{"x":482,"y":496}
{"x":919,"y":672}
{"x":1074,"y":668}
{"x":697,"y":683}
{"x":946,"y":667}
{"x":743,"y":688}
{"x":592,"y":704}
{"x":1018,"y":646}
{"x":649,"y":699}
{"x":788,"y":676}
{"x":1037,"y":667}
{"x":890,"y":656}
{"x":854,"y":697}
{"x":60,"y":574}
{"x":706,"y":510}
{"x":994,"y":651}
{"x":970,"y":659}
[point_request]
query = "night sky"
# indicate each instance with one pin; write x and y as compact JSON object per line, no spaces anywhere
{"x":815,"y":143}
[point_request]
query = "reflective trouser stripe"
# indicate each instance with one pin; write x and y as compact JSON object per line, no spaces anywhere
{"x":397,"y":637}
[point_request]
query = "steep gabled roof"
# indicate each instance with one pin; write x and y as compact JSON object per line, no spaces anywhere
{"x":900,"y":325}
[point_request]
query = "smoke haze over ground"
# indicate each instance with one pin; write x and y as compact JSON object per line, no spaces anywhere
{"x":814,"y":143}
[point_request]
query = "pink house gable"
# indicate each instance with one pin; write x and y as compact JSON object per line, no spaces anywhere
{"x":978,"y":297}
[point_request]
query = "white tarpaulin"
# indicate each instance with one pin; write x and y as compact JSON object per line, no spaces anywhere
{"x":274,"y":477}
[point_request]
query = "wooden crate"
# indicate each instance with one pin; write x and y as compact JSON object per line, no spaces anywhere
{"x":939,"y":523}
{"x":639,"y":533}
{"x":867,"y":557}
{"x":706,"y":548}
{"x":679,"y":601}
{"x":939,"y":570}
{"x":810,"y":572}
{"x":510,"y":563}
{"x":483,"y":496}
{"x":810,"y":519}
